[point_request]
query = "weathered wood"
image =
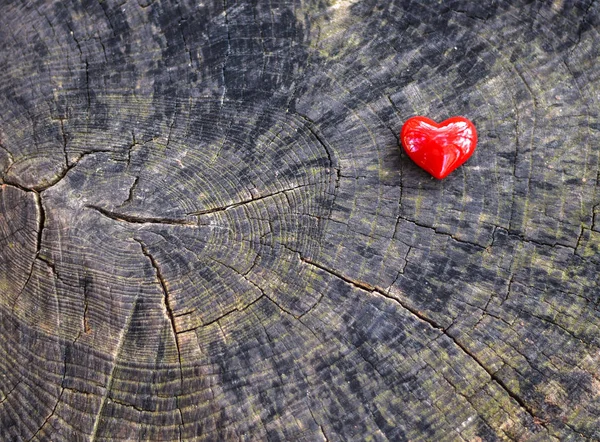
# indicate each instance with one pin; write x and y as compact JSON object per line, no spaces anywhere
{"x":208,"y":230}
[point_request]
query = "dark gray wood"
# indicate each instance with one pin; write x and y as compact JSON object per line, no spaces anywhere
{"x":208,"y":230}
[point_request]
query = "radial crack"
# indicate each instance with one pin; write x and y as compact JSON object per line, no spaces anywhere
{"x":360,"y":284}
{"x":133,"y":144}
{"x":163,"y":285}
{"x":62,"y":390}
{"x":125,"y":404}
{"x":369,"y":288}
{"x":131,"y":191}
{"x":206,"y":324}
{"x":581,"y":25}
{"x":9,"y":392}
{"x":61,"y":175}
{"x":41,"y":222}
{"x":438,"y":232}
{"x":141,"y":219}
{"x":317,"y":422}
{"x":248,"y":201}
{"x":169,"y":310}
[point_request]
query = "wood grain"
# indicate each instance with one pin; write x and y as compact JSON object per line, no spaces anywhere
{"x":208,"y":230}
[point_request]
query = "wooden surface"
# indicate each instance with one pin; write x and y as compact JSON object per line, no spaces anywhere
{"x":208,"y":230}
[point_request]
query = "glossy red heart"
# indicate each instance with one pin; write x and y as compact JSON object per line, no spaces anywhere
{"x":439,"y":148}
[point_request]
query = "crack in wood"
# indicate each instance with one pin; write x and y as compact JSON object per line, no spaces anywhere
{"x":585,"y":436}
{"x":62,"y":390}
{"x":130,"y":147}
{"x":311,"y":126}
{"x":125,"y":404}
{"x":211,"y":322}
{"x":249,"y":281}
{"x":170,"y":315}
{"x":371,"y":289}
{"x":131,"y":191}
{"x":41,"y":220}
{"x":307,"y":53}
{"x":163,"y":285}
{"x":9,"y":392}
{"x":437,"y":232}
{"x":548,"y":320}
{"x":248,"y":201}
{"x":172,"y":124}
{"x":584,"y":20}
{"x":317,"y":422}
{"x":224,"y":315}
{"x":141,"y":219}
{"x":323,"y":433}
{"x":468,"y":14}
{"x":523,"y":239}
{"x":59,"y":177}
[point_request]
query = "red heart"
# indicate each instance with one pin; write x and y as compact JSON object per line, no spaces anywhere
{"x":439,"y":148}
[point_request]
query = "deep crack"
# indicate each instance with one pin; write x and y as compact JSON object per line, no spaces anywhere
{"x":170,"y":315}
{"x":369,"y":288}
{"x":141,"y":219}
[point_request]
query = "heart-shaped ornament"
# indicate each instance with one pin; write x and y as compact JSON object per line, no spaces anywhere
{"x":439,"y":148}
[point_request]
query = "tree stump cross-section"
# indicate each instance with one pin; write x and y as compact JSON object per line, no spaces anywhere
{"x":209,"y":229}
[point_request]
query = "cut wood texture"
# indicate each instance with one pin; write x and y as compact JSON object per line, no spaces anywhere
{"x":209,"y":230}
